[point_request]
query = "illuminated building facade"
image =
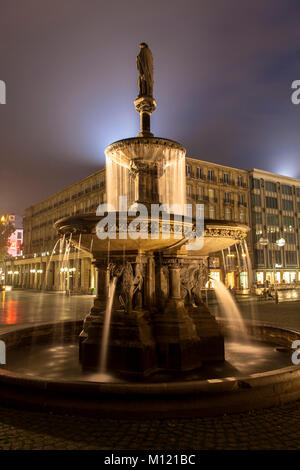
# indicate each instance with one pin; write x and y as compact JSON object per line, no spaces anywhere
{"x":223,"y":191}
{"x":275,"y":215}
{"x":269,"y":203}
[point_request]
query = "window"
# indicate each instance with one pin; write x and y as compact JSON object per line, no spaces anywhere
{"x":291,"y":258}
{"x":188,"y":190}
{"x":288,"y":221}
{"x":256,"y":183}
{"x":242,"y":216}
{"x":271,"y":202}
{"x":285,"y":189}
{"x":257,"y":218}
{"x":260,"y":278}
{"x":210,"y":175}
{"x":271,"y":186}
{"x":273,"y":219}
{"x":188,"y":171}
{"x":257,"y":234}
{"x":199,"y":173}
{"x":240,"y":181}
{"x":274,"y":257}
{"x":212,"y":212}
{"x":287,"y":205}
{"x":259,"y":257}
{"x":256,"y":201}
{"x":211,"y":194}
{"x":290,"y":237}
{"x":226,"y":178}
{"x":242,"y":199}
{"x":227,"y":196}
{"x":199,"y":192}
{"x":298,"y":206}
{"x":298,"y":192}
{"x":273,"y":236}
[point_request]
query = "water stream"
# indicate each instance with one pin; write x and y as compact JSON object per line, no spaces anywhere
{"x":106,"y":326}
{"x":229,"y":309}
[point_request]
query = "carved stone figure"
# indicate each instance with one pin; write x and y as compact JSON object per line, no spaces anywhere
{"x":201,"y":278}
{"x":188,"y":281}
{"x":138,"y":286}
{"x":193,"y":279}
{"x":126,"y":287}
{"x":144,"y":62}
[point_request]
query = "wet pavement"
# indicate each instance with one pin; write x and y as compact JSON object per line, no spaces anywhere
{"x":273,"y":428}
{"x":21,"y":306}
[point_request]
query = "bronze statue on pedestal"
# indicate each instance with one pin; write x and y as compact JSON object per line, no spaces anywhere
{"x":144,"y":62}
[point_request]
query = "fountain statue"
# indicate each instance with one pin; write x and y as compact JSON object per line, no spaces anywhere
{"x":157,"y":318}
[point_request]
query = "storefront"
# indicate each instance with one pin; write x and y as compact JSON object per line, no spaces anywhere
{"x":270,"y":277}
{"x":243,"y":280}
{"x":289,"y":277}
{"x":282,"y":278}
{"x":230,"y":280}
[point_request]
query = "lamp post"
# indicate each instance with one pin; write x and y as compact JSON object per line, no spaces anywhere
{"x":265,"y":242}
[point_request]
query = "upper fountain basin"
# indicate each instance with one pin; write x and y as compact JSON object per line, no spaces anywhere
{"x":218,"y":235}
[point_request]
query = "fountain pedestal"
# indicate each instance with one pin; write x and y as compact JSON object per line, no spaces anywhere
{"x":131,"y":347}
{"x":211,"y":341}
{"x":175,"y":332}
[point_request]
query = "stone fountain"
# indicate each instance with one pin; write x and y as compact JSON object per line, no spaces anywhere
{"x":155,"y":321}
{"x":158,"y":319}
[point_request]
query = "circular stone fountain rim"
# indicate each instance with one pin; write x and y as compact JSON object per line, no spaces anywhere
{"x":208,"y":223}
{"x":212,"y":397}
{"x":191,"y":387}
{"x":145,"y":140}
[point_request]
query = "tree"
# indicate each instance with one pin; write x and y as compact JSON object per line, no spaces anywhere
{"x":6,"y":229}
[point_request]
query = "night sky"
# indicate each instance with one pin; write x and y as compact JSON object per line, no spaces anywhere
{"x":223,"y":74}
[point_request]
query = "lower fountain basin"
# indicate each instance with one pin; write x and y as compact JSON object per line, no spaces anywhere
{"x":52,"y":381}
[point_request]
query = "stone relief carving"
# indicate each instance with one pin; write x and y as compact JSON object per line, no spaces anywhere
{"x":193,"y":278}
{"x":130,"y":285}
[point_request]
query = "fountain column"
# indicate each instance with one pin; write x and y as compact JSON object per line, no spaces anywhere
{"x":102,"y":273}
{"x":174,"y":277}
{"x":145,"y":105}
{"x":175,"y":333}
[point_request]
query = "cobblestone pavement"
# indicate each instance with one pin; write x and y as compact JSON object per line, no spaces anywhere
{"x":274,"y":428}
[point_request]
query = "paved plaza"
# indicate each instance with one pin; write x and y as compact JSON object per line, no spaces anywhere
{"x":274,"y":428}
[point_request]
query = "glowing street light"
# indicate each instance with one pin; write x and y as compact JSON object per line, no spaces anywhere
{"x":280,"y":242}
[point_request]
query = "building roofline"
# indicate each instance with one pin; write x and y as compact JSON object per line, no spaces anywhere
{"x":217,"y":164}
{"x":63,"y":190}
{"x":274,"y":175}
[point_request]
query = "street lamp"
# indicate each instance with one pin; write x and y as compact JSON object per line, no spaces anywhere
{"x":280,"y":242}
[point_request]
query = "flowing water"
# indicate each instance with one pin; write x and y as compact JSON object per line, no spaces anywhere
{"x":45,"y":283}
{"x":106,"y":326}
{"x":229,"y":309}
{"x":249,"y":264}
